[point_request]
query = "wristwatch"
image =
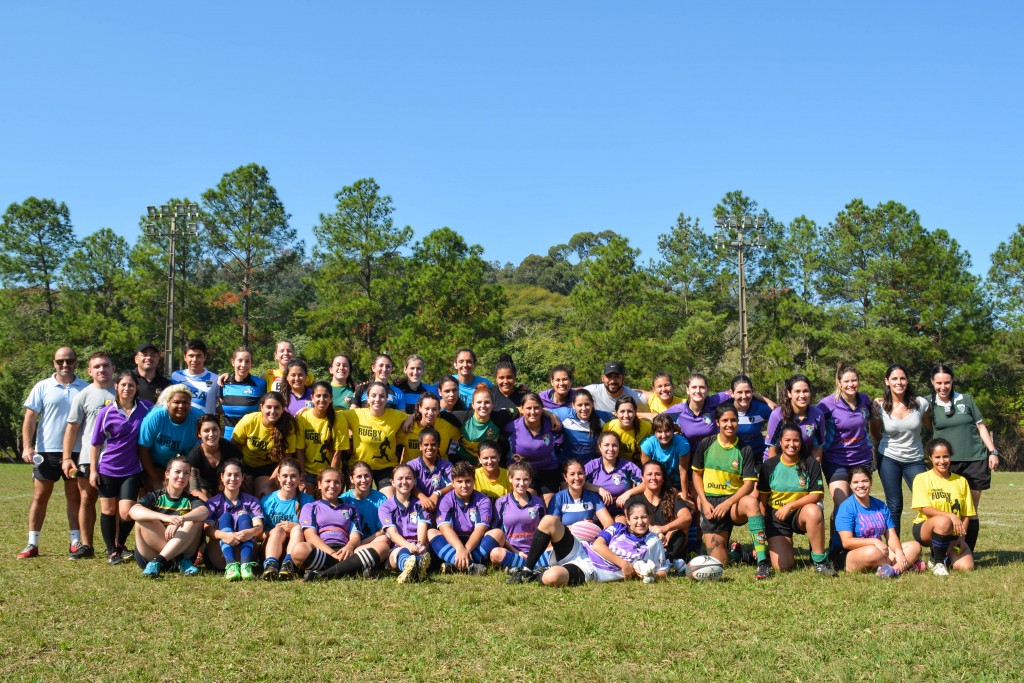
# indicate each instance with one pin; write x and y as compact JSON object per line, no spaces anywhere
{"x":994,"y":451}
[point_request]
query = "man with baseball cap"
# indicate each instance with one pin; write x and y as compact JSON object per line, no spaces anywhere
{"x":612,"y":387}
{"x":147,"y":373}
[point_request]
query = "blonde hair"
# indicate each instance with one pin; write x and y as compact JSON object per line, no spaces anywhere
{"x":165,"y":395}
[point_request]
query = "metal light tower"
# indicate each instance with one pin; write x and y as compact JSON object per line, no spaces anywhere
{"x":741,"y":233}
{"x":171,"y":221}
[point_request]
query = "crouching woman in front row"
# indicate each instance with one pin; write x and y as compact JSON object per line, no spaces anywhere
{"x":944,"y":505}
{"x":169,"y":523}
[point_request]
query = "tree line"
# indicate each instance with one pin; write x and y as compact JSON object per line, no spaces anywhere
{"x":872,"y":287}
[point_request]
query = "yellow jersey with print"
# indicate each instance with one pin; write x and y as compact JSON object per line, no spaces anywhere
{"x":450,"y":438}
{"x":321,"y":440}
{"x":377,"y":441}
{"x":256,"y":441}
{"x":631,"y":439}
{"x":656,"y":405}
{"x":723,"y":468}
{"x":945,"y":495}
{"x":275,"y":380}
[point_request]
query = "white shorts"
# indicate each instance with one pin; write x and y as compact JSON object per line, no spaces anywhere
{"x":578,"y":558}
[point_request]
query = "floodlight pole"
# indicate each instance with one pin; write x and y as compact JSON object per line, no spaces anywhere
{"x":741,"y":233}
{"x":176,"y":215}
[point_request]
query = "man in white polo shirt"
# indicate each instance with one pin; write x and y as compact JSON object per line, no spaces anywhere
{"x":42,"y":439}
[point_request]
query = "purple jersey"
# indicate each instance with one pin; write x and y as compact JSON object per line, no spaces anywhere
{"x":297,"y":403}
{"x":696,"y":427}
{"x":629,"y":547}
{"x":625,"y":475}
{"x":430,"y":480}
{"x":812,"y":428}
{"x":462,"y":516}
{"x":547,"y":399}
{"x":536,"y":449}
{"x":405,"y":519}
{"x":846,"y":438}
{"x":518,"y":521}
{"x":334,"y":524}
{"x":246,"y":504}
{"x":118,"y":433}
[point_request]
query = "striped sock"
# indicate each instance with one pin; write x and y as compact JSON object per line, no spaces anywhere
{"x":403,"y":556}
{"x":486,"y":546}
{"x":443,"y":549}
{"x":512,"y":560}
{"x":940,"y":546}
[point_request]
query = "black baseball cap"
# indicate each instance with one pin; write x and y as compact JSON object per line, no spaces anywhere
{"x":614,"y":367}
{"x":147,"y":346}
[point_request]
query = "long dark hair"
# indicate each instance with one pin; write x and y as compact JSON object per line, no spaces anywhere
{"x":801,"y":464}
{"x":283,"y":428}
{"x":786,"y":402}
{"x":622,"y":400}
{"x":909,"y":397}
{"x":943,"y":369}
{"x":594,"y":422}
{"x":668,"y":492}
{"x":331,"y":415}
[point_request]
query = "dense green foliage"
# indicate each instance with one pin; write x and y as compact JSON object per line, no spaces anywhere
{"x":873,"y":287}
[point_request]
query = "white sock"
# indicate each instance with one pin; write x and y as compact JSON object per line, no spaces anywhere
{"x":76,"y":537}
{"x":33,"y":538}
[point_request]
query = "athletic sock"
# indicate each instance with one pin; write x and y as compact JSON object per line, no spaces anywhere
{"x":108,"y":529}
{"x":226,"y":523}
{"x":363,"y":558}
{"x":161,"y":559}
{"x":76,"y":537}
{"x":487,"y":544}
{"x":270,"y":562}
{"x":540,"y":543}
{"x":403,"y":556}
{"x":229,"y":552}
{"x":940,"y":546}
{"x":443,"y":549}
{"x":973,"y":527}
{"x":124,"y":529}
{"x":818,"y":558}
{"x":512,"y":560}
{"x":287,"y":558}
{"x":244,"y":523}
{"x":33,"y":538}
{"x":756,"y":526}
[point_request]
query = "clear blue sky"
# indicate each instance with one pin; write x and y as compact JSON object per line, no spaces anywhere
{"x":519,"y":124}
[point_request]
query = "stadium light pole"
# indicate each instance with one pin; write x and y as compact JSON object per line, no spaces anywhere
{"x":171,"y":221}
{"x":741,"y":233}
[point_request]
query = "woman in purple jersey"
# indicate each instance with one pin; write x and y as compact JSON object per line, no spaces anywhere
{"x":516,"y":516}
{"x":534,"y":438}
{"x":849,"y":414}
{"x":613,"y":478}
{"x":235,"y":522}
{"x":696,"y":415}
{"x":405,"y":523}
{"x":330,"y":527}
{"x":561,"y":393}
{"x":795,"y":408}
{"x":299,"y":395}
{"x":116,"y":469}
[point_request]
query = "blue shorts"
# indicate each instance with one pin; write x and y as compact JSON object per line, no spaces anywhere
{"x":834,"y":472}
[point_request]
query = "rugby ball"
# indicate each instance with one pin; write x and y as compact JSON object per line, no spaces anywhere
{"x":585,"y":531}
{"x":704,"y":568}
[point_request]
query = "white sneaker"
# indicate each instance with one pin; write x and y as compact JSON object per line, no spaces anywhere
{"x":938,"y":569}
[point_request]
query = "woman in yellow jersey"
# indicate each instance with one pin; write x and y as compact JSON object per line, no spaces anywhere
{"x":325,"y":435}
{"x":491,"y":478}
{"x":376,"y":435}
{"x":284,"y":353}
{"x":662,"y":394}
{"x":428,"y":408}
{"x":265,"y":438}
{"x":944,"y":504}
{"x":630,"y":428}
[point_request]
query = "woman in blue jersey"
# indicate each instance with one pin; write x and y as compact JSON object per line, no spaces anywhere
{"x":753,"y":411}
{"x":669,"y":449}
{"x":411,"y":384}
{"x":465,"y":365}
{"x":381,"y":371}
{"x":281,"y":516}
{"x":366,"y":499}
{"x":240,"y":392}
{"x":616,"y":554}
{"x":576,"y":506}
{"x":580,"y":428}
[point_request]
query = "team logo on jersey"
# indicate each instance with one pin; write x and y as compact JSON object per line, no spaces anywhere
{"x":435,"y":481}
{"x":803,"y":482}
{"x":961,"y":408}
{"x":864,"y":413}
{"x":809,"y":429}
{"x":547,"y":439}
{"x":707,"y":419}
{"x":473,"y":515}
{"x":533,"y":513}
{"x":617,"y":479}
{"x":414,"y":517}
{"x":387,"y":520}
{"x":736,"y":464}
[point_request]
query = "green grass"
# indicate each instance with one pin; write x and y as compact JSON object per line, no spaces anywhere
{"x":88,"y":621}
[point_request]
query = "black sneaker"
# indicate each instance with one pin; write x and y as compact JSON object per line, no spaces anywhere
{"x":764,"y":570}
{"x":447,"y":568}
{"x":522,"y":575}
{"x":113,"y":557}
{"x":270,"y":572}
{"x":126,"y":554}
{"x":287,"y":571}
{"x":823,"y":569}
{"x":313,"y":575}
{"x":82,"y":552}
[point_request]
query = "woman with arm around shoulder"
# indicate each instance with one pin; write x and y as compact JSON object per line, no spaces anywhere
{"x":944,"y":505}
{"x":376,"y":436}
{"x":696,"y":415}
{"x":796,"y":408}
{"x":235,"y":521}
{"x":670,"y":515}
{"x":265,"y":438}
{"x":281,"y":509}
{"x":956,"y":418}
{"x":866,"y":537}
{"x":611,"y":476}
{"x":169,"y":524}
{"x":631,"y":429}
{"x":898,"y":435}
{"x":325,"y":435}
{"x":534,"y":438}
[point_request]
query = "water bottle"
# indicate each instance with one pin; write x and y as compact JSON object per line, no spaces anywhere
{"x":37,"y":458}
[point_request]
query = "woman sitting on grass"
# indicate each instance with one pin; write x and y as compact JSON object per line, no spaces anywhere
{"x":516,"y":516}
{"x":281,"y":509}
{"x":615,"y":555}
{"x":612,"y":477}
{"x":866,"y":538}
{"x":791,"y":486}
{"x":235,"y":521}
{"x":169,"y":524}
{"x":944,"y":505}
{"x":405,"y":523}
{"x":332,"y":540}
{"x":463,"y":518}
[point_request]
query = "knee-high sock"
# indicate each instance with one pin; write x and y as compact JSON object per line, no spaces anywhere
{"x":973,"y":527}
{"x":244,"y":523}
{"x":756,"y":526}
{"x":487,"y":544}
{"x":362,"y":558}
{"x":403,"y":556}
{"x":443,"y":549}
{"x":537,"y":547}
{"x":108,"y":527}
{"x":514,"y":560}
{"x":124,"y":529}
{"x":940,"y":546}
{"x":227,"y":523}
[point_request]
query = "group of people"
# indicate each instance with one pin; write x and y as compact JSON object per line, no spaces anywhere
{"x":283,"y":476}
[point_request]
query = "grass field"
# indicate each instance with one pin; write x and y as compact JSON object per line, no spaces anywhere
{"x":63,"y":620}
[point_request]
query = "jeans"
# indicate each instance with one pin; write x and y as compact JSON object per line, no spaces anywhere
{"x":890,"y":472}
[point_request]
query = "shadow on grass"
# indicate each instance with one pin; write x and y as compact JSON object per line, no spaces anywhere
{"x":992,"y":558}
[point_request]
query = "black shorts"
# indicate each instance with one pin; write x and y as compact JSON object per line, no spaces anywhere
{"x":122,"y":488}
{"x":382,"y":477}
{"x":255,"y":473}
{"x":84,"y":470}
{"x":838,"y":558}
{"x":547,"y":481}
{"x":717,"y":526}
{"x":976,"y":472}
{"x":787,"y":527}
{"x":50,"y":468}
{"x":833,"y":472}
{"x":916,"y":531}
